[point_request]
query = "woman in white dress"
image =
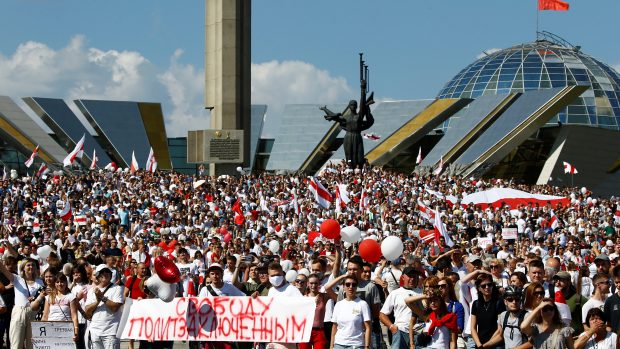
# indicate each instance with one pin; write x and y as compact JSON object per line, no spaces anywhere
{"x":61,"y":304}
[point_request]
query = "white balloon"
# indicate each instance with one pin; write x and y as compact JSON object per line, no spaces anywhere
{"x":392,"y":247}
{"x":350,"y":234}
{"x":584,"y":190}
{"x":304,"y":271}
{"x":594,"y":201}
{"x":347,"y":244}
{"x":274,"y":246}
{"x":291,"y":275}
{"x":572,"y":195}
{"x":161,"y":289}
{"x":589,"y":200}
{"x":44,"y":251}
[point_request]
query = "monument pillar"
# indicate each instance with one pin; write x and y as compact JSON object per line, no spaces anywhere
{"x":227,"y":71}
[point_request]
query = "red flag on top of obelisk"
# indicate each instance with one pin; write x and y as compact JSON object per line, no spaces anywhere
{"x":553,"y":5}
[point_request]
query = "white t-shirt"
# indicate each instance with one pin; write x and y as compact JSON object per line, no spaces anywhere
{"x":104,"y":321}
{"x":23,"y":292}
{"x":591,"y":303}
{"x":350,"y":317}
{"x":226,"y":290}
{"x":76,"y":290}
{"x":440,"y":338}
{"x":395,"y":302}
{"x":608,"y":343}
{"x":287,"y":290}
{"x":60,"y":310}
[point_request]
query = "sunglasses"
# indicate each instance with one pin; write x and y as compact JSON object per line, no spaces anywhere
{"x":300,"y":281}
{"x":511,"y":299}
{"x":539,"y":293}
{"x":350,"y":284}
{"x":494,"y":266}
{"x":548,"y":309}
{"x":443,"y":286}
{"x":487,"y":285}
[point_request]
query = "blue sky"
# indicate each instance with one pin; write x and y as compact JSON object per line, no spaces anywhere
{"x":302,"y":51}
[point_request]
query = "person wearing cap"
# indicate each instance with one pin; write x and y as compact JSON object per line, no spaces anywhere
{"x":402,"y":334}
{"x":217,"y":286}
{"x":603,"y":264}
{"x":509,"y":322}
{"x":563,"y":283}
{"x":103,"y":305}
{"x":601,"y":289}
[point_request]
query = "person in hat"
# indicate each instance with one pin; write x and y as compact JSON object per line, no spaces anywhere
{"x":563,"y":283}
{"x":509,"y":322}
{"x":216,"y":285}
{"x":603,"y":264}
{"x":103,"y":304}
{"x":395,"y":304}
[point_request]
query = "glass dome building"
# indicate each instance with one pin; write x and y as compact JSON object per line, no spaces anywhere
{"x":545,"y":63}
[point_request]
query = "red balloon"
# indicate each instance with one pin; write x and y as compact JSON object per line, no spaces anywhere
{"x":167,"y":270}
{"x":370,"y":250}
{"x":330,"y":229}
{"x":223,"y":231}
{"x":227,"y":237}
{"x":311,"y":236}
{"x":278,"y":228}
{"x":163,"y":245}
{"x":157,"y":230}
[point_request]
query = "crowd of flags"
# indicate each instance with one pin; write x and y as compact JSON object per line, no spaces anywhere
{"x":78,"y":153}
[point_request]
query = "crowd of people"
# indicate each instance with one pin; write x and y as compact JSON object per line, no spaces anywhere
{"x":74,"y":248}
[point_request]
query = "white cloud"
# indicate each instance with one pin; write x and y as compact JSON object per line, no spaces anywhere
{"x":78,"y":71}
{"x":488,"y":52}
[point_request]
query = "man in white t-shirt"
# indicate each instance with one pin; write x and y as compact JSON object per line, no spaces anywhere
{"x":281,"y":287}
{"x":601,"y":289}
{"x":395,"y":303}
{"x":103,"y":307}
{"x":187,"y":269}
{"x":218,"y":287}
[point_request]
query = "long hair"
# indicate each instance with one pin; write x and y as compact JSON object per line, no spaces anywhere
{"x":451,"y":292}
{"x":494,"y":290}
{"x":35,"y":265}
{"x":556,"y":321}
{"x":56,"y":292}
{"x":529,"y":295}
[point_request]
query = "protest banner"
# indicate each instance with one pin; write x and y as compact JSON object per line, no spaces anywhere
{"x":52,"y":335}
{"x":509,"y":233}
{"x":234,"y":319}
{"x":484,"y":242}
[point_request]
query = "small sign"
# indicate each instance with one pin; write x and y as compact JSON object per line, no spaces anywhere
{"x":509,"y":233}
{"x":215,"y":146}
{"x":484,"y":242}
{"x":52,"y":335}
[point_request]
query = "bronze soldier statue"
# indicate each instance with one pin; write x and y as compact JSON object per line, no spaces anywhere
{"x":355,"y":122}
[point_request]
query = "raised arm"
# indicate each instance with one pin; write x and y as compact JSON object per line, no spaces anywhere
{"x":413,"y":302}
{"x":338,"y":261}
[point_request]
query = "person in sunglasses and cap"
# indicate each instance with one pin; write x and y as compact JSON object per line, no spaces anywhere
{"x":509,"y":322}
{"x":103,"y":304}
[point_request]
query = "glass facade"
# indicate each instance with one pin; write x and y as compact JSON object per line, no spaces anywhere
{"x":541,"y":65}
{"x":120,"y":129}
{"x":178,"y":155}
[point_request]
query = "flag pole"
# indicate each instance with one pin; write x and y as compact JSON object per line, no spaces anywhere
{"x":537,"y":18}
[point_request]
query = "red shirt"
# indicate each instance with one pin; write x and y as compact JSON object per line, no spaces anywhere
{"x":135,"y":291}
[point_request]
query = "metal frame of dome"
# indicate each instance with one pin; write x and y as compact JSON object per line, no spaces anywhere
{"x":548,"y":62}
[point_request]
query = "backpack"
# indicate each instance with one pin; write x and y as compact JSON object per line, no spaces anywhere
{"x":521,"y":316}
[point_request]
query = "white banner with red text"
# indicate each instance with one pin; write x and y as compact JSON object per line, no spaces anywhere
{"x":234,"y":319}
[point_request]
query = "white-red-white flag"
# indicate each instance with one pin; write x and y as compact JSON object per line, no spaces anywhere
{"x":617,"y":214}
{"x":438,"y":170}
{"x":66,"y":213}
{"x":151,"y":162}
{"x":321,"y":195}
{"x":440,"y":229}
{"x":30,"y":160}
{"x":568,"y":168}
{"x":93,"y":165}
{"x":77,"y":152}
{"x":4,"y":174}
{"x":563,"y":308}
{"x":42,"y":170}
{"x":425,"y":211}
{"x":418,"y":160}
{"x":134,"y":163}
{"x":371,"y":136}
{"x":554,"y":220}
{"x":111,"y":166}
